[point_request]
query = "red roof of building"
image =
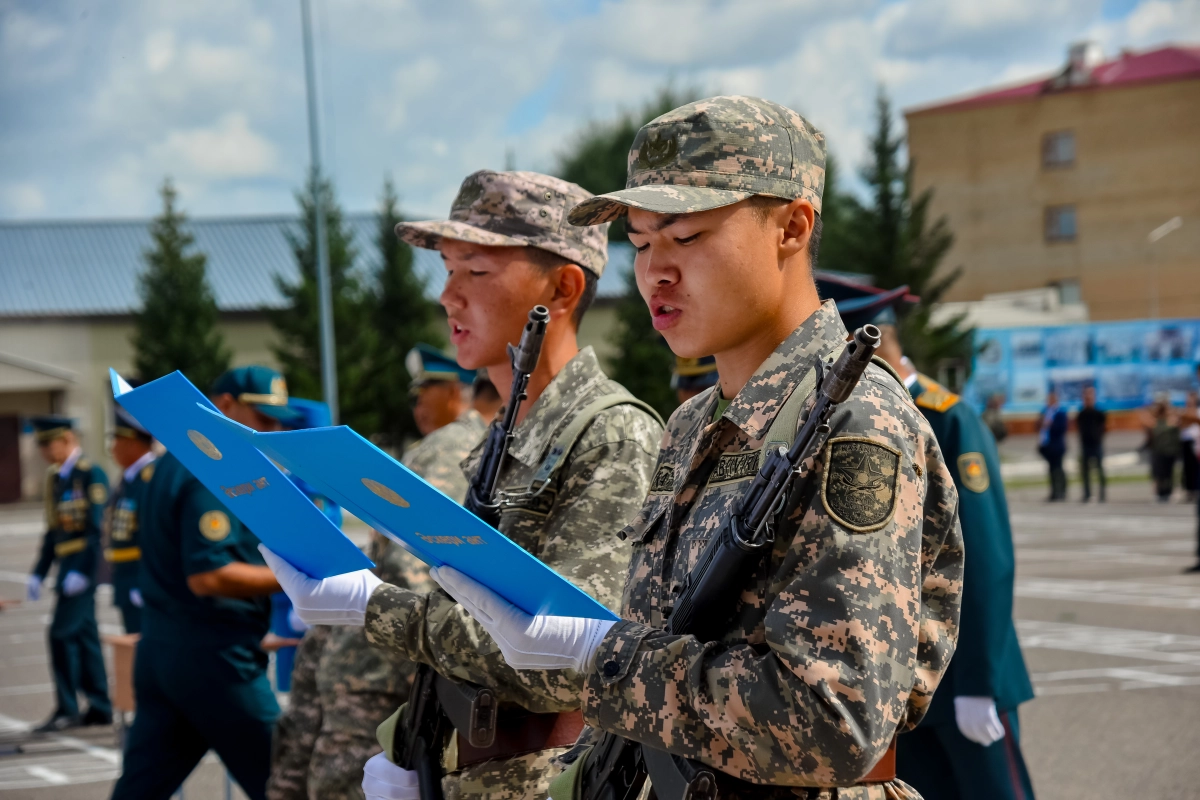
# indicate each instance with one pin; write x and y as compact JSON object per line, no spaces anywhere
{"x":1169,"y":63}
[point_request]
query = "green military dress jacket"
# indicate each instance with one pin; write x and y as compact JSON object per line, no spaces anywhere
{"x":74,"y":517}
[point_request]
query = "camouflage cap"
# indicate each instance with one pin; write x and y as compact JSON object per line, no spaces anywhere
{"x":713,"y":153}
{"x":515,"y":209}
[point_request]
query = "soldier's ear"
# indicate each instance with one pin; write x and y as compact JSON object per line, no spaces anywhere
{"x":569,"y":286}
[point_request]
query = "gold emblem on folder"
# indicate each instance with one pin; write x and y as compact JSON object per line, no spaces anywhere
{"x":384,"y":492}
{"x":208,"y":448}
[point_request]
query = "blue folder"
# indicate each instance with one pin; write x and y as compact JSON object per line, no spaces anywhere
{"x":396,"y":501}
{"x":243,"y":479}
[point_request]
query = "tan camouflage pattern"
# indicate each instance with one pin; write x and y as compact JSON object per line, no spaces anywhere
{"x":713,"y":153}
{"x":572,"y":526}
{"x":438,"y":457}
{"x":342,"y":688}
{"x":841,"y":637}
{"x":526,"y":776}
{"x":516,"y":209}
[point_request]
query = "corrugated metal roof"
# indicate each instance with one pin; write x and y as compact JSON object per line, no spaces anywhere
{"x":90,"y":268}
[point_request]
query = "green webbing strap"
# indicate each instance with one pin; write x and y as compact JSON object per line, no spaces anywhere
{"x":566,"y":440}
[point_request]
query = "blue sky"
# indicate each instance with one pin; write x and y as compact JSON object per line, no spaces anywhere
{"x":101,"y":100}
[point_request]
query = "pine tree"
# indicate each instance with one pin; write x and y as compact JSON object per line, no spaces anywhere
{"x":298,"y":323}
{"x":176,"y":328}
{"x":643,"y":363}
{"x":402,"y":317}
{"x":893,"y":240}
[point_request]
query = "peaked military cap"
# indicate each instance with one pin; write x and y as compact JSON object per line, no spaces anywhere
{"x":694,"y":374}
{"x":258,"y":386}
{"x":859,"y":303}
{"x":516,"y":209}
{"x":124,"y":424}
{"x":312,"y":413}
{"x":714,"y":153}
{"x":425,"y":364}
{"x":48,"y":427}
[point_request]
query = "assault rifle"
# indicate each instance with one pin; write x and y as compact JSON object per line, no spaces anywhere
{"x":437,"y":706}
{"x":617,"y":768}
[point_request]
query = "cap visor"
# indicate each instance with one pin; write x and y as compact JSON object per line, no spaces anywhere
{"x":428,"y":235}
{"x":282,"y":413}
{"x":659,"y":198}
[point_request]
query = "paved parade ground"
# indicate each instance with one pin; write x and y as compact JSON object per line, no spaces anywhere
{"x":1110,"y":626}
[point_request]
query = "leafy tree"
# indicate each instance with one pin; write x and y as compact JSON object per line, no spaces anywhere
{"x":892,"y":239}
{"x":298,"y":323}
{"x":176,"y":328}
{"x":643,"y":362}
{"x":402,"y":316}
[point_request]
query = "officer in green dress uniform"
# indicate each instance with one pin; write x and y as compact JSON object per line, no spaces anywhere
{"x":131,"y":449}
{"x":968,"y":745}
{"x":200,"y":677}
{"x":76,"y":492}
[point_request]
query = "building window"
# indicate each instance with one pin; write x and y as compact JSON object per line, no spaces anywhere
{"x":1058,"y":150}
{"x":1060,"y":224}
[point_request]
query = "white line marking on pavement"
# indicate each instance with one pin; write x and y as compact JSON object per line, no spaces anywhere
{"x":36,"y":688}
{"x":1125,"y":593}
{"x":106,"y":754}
{"x":48,"y":775}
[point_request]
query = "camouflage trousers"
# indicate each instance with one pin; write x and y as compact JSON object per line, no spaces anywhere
{"x":517,"y":778}
{"x":336,"y":769}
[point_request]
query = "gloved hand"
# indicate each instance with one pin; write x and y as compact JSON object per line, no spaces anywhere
{"x":33,"y":588}
{"x":383,"y":780}
{"x":978,"y":720}
{"x":294,"y":621}
{"x":340,"y":600}
{"x":75,"y":583}
{"x":135,"y":597}
{"x":527,"y":642}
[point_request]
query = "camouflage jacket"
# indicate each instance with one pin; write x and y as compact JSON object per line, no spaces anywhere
{"x":438,"y":456}
{"x":572,"y":526}
{"x":840,"y":638}
{"x":342,"y":688}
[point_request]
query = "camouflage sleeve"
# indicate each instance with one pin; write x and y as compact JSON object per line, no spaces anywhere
{"x":297,"y":728}
{"x":601,"y":490}
{"x":857,"y":618}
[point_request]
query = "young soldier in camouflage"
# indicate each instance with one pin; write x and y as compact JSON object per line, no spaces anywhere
{"x":507,"y":247}
{"x":841,"y":635}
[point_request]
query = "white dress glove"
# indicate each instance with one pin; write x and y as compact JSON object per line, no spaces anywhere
{"x":978,"y":720}
{"x":33,"y":588}
{"x":340,"y":600}
{"x":135,"y":597}
{"x":383,"y":780}
{"x":75,"y":583}
{"x":527,"y":642}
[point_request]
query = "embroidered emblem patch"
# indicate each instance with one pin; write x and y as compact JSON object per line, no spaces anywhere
{"x":858,"y":488}
{"x":98,"y":494}
{"x":973,"y":472}
{"x":734,"y":466}
{"x":147,"y":473}
{"x":214,"y":525}
{"x":664,"y":479}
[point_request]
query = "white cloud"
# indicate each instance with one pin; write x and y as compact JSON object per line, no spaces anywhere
{"x":226,"y":149}
{"x":22,"y":199}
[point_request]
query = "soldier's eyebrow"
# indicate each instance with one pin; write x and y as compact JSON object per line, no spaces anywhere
{"x":657,"y":225}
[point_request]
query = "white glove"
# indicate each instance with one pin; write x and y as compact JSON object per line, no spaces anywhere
{"x":978,"y":720}
{"x":383,"y":780}
{"x":340,"y":600}
{"x":527,"y":642}
{"x":75,"y":583}
{"x":135,"y":597}
{"x":294,"y":621}
{"x":33,"y":588}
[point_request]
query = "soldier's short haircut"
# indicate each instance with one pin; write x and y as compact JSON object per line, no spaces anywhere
{"x":547,"y":261}
{"x":762,"y":205}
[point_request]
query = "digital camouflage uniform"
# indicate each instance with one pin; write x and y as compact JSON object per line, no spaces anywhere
{"x":433,"y":457}
{"x":571,"y":527}
{"x":842,"y":634}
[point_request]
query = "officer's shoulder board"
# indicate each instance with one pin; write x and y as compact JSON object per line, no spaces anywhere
{"x":935,"y":397}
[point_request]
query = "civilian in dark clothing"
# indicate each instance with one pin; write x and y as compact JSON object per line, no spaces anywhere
{"x":1091,"y":423}
{"x":1052,"y":445}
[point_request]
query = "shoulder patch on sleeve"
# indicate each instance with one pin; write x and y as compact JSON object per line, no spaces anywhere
{"x":935,"y":397}
{"x":98,"y":494}
{"x":664,"y":479}
{"x":858,"y":488}
{"x":973,"y":471}
{"x":214,"y":525}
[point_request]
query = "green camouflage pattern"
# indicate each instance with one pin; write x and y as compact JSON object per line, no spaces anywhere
{"x":840,"y":638}
{"x":438,"y":456}
{"x":526,"y":776}
{"x":342,"y":688}
{"x":516,"y":209}
{"x":713,"y":153}
{"x":571,"y":526}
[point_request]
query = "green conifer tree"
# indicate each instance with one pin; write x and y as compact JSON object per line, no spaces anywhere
{"x":176,"y":327}
{"x":402,"y":317}
{"x":298,"y":323}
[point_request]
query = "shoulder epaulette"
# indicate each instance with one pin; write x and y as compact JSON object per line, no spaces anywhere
{"x":935,"y":397}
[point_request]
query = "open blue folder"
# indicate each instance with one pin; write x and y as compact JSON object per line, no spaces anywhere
{"x":396,"y":501}
{"x":250,"y":486}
